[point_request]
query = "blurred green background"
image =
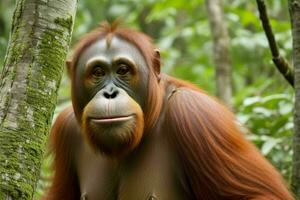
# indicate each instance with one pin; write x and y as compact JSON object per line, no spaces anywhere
{"x":262,"y":99}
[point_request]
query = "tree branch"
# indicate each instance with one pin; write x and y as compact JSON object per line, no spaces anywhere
{"x":281,"y":63}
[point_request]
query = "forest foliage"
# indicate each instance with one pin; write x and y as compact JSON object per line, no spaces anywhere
{"x":262,"y":99}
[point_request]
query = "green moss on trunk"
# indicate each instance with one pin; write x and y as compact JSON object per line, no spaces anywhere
{"x":32,"y":72}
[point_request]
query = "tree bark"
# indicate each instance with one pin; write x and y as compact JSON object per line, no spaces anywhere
{"x":33,"y":66}
{"x":221,"y":49}
{"x":281,"y":63}
{"x":294,"y":8}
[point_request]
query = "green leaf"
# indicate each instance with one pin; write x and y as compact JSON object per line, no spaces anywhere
{"x":269,"y":145}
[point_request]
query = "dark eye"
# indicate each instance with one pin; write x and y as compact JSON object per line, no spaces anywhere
{"x":123,"y":69}
{"x":98,"y":72}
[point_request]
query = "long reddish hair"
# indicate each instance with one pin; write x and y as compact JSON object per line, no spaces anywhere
{"x":218,"y":161}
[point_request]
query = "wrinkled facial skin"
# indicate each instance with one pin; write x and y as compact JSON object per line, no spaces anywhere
{"x":111,"y":84}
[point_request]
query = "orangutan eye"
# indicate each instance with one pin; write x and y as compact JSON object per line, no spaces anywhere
{"x":98,"y":72}
{"x":123,"y":69}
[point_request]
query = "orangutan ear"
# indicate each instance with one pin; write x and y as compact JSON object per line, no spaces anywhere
{"x":156,"y":63}
{"x":69,"y":67}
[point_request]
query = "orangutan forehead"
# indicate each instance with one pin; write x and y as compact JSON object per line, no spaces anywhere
{"x":112,"y":44}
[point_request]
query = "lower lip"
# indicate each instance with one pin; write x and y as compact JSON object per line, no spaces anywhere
{"x":114,"y":119}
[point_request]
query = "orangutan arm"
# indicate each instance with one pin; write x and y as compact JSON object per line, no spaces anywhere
{"x":62,"y":142}
{"x":218,"y":161}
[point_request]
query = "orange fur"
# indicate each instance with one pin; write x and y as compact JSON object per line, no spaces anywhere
{"x":61,"y":144}
{"x":218,"y":161}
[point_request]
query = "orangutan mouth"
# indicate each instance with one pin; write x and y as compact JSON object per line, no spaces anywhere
{"x":111,"y":119}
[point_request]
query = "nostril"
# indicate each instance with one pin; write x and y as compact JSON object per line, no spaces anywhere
{"x":106,"y":95}
{"x":114,"y":94}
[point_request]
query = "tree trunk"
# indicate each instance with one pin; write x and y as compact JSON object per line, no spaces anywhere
{"x":221,"y":49}
{"x":294,"y":6}
{"x":39,"y":40}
